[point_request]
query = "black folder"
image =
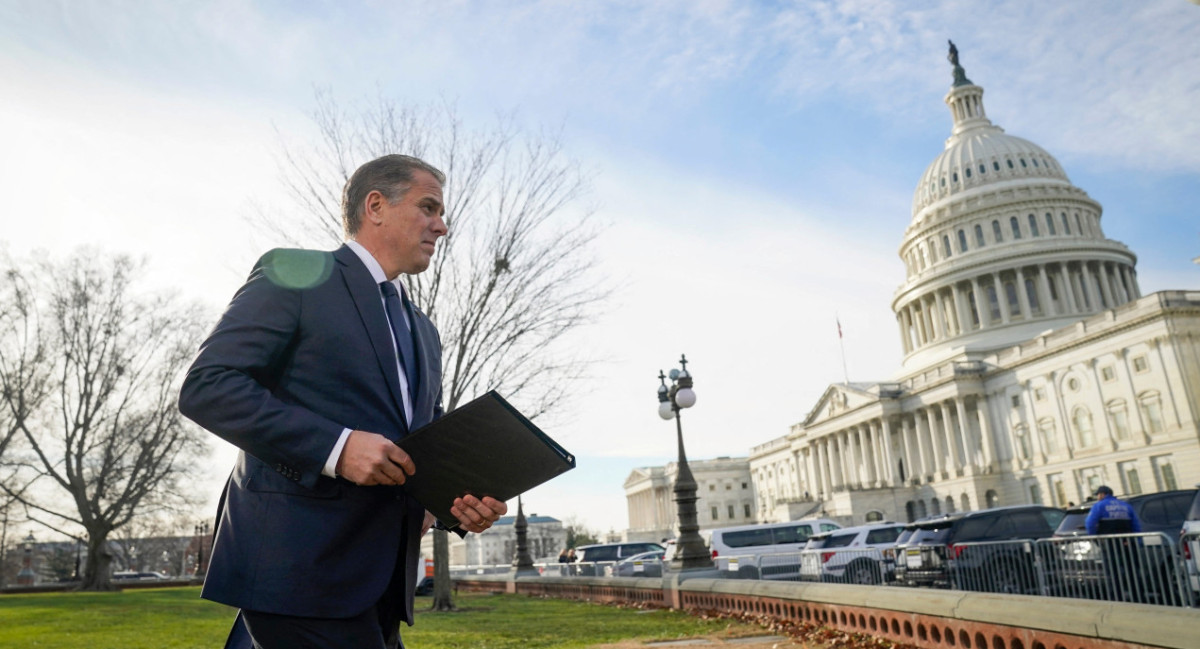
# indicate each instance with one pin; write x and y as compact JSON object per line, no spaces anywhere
{"x":484,"y":448}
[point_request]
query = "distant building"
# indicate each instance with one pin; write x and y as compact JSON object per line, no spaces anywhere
{"x":545,"y":536}
{"x":1034,"y":370}
{"x":726,"y":497}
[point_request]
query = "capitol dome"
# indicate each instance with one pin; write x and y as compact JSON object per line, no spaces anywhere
{"x":1001,"y":246}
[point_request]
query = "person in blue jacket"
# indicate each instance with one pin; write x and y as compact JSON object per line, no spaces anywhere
{"x":1111,"y":515}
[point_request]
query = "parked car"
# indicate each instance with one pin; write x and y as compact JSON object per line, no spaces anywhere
{"x":766,"y":538}
{"x":133,"y":575}
{"x":756,"y":547}
{"x":856,"y":555}
{"x":1189,"y":537}
{"x":424,"y":587}
{"x":954,"y":550}
{"x":1140,"y":569}
{"x":589,"y":555}
{"x":646,"y":564}
{"x":898,"y":550}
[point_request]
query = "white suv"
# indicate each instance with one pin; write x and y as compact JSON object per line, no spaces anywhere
{"x":852,"y":555}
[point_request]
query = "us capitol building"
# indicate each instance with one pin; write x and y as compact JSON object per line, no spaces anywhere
{"x":1034,"y":368}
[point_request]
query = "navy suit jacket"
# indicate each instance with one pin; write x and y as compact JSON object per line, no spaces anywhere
{"x":303,"y":351}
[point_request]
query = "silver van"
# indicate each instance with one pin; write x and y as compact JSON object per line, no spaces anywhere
{"x":766,"y":538}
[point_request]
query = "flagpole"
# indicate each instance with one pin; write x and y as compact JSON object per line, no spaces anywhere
{"x":842,"y":344}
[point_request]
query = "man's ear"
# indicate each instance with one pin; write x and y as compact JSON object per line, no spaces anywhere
{"x":374,"y":202}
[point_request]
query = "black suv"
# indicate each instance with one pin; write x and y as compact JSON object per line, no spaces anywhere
{"x":977,"y":550}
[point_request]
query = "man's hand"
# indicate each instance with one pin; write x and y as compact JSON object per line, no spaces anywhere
{"x":428,"y":522}
{"x":475,"y":515}
{"x":372,"y":459}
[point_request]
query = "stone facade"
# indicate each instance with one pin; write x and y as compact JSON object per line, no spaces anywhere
{"x":724,"y":488}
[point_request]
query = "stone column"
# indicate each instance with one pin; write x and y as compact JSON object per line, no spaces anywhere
{"x":903,"y":331}
{"x":1022,"y":296}
{"x":1103,"y":414}
{"x":890,"y":473}
{"x":822,"y":459}
{"x":812,"y":480}
{"x":980,"y":298}
{"x":910,"y":465}
{"x":1001,"y":299}
{"x":985,"y":430}
{"x":1119,"y":284}
{"x":1066,"y":291}
{"x":919,"y":321}
{"x":960,"y":309}
{"x":1105,"y":289}
{"x":866,"y":474}
{"x":843,"y":467}
{"x":964,"y":429}
{"x":939,"y":318}
{"x":1049,"y":308}
{"x":1078,"y":290}
{"x":922,"y":425}
{"x":948,"y":431}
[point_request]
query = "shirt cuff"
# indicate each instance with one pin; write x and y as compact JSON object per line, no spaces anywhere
{"x":330,"y":468}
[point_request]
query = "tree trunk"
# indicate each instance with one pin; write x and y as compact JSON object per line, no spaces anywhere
{"x":99,"y":563}
{"x":442,"y":600}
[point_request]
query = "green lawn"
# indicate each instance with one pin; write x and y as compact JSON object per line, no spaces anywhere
{"x":176,"y":618}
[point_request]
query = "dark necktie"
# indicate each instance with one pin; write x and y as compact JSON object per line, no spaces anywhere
{"x":397,"y":306}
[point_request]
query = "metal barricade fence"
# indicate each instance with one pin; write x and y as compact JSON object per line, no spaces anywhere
{"x":1145,"y":568}
{"x":848,"y":565}
{"x":994,"y":567}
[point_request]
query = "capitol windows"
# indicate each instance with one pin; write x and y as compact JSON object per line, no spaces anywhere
{"x":746,"y":509}
{"x":1048,"y":435}
{"x":945,"y":246}
{"x":1039,"y":394}
{"x":1140,"y":365}
{"x":1164,"y":473}
{"x":1050,"y":224}
{"x":1151,"y":406}
{"x":983,"y":169}
{"x":993,"y":303}
{"x":967,"y":172}
{"x":962,"y":240}
{"x":996,"y":233}
{"x":954,"y":177}
{"x":1031,"y":293}
{"x":1066,"y":225}
{"x":1118,"y":418}
{"x":1010,"y":293}
{"x":979,"y":235}
{"x":1033,"y":228}
{"x":714,"y":512}
{"x":1016,"y":227}
{"x":1023,"y":165}
{"x":1131,"y":483}
{"x":1078,"y":223}
{"x":1035,"y":162}
{"x":1024,"y":450}
{"x":1107,"y":373}
{"x":974,"y":309}
{"x":1083,"y":427}
{"x":1010,"y":164}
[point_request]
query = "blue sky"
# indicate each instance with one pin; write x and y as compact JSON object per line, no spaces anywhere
{"x":754,"y":161}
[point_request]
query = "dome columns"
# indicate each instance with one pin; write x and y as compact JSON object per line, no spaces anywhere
{"x":1043,"y":290}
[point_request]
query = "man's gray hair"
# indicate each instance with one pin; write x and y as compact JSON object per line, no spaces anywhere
{"x":390,"y":175}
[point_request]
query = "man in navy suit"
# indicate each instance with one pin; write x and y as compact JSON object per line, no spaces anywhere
{"x":318,"y":366}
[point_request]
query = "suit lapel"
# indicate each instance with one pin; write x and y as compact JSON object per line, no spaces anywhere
{"x":367,"y":300}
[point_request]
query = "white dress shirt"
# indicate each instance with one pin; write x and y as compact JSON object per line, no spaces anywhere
{"x":377,"y":274}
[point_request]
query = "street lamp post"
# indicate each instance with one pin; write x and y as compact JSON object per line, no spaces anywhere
{"x":202,"y":533}
{"x":690,"y":551}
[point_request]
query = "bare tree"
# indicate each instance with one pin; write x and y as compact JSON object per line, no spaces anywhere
{"x":90,"y":375}
{"x":513,"y":276}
